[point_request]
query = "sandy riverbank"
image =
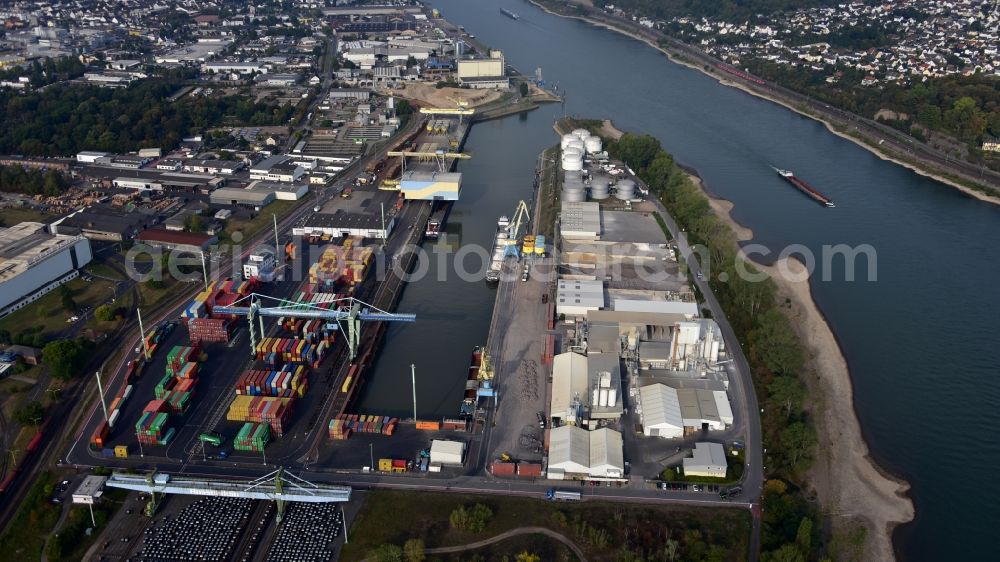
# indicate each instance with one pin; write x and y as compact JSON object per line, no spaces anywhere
{"x":967,"y":190}
{"x":849,"y":485}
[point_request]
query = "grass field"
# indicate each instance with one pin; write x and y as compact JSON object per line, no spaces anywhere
{"x":25,"y":537}
{"x":46,"y":315}
{"x":12,"y":216}
{"x":604,"y":531}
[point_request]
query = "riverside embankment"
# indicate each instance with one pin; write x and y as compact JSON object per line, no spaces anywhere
{"x":877,"y":139}
{"x":850,"y":486}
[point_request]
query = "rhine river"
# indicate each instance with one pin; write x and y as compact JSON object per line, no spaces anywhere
{"x":919,"y":340}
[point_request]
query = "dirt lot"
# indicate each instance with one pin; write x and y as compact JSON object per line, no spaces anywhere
{"x":430,"y":96}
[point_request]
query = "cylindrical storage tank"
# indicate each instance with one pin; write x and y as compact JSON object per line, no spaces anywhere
{"x":572,"y":150}
{"x":592,"y":143}
{"x":572,"y":163}
{"x":566,"y":139}
{"x":625,"y":190}
{"x":577,"y":144}
{"x":574,"y":174}
{"x":571,"y":181}
{"x":599,"y":195}
{"x":581,"y":133}
{"x":600,"y":184}
{"x":574,"y":196}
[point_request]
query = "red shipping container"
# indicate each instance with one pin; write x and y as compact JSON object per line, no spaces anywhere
{"x":503,"y":469}
{"x":529,"y":470}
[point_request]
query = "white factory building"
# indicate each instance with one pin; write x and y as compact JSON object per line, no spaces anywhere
{"x":709,"y":460}
{"x":33,"y":262}
{"x":692,"y":342}
{"x":260,"y":264}
{"x":669,"y":412}
{"x":575,"y":453}
{"x":447,"y":453}
{"x":575,"y":297}
{"x":580,"y":221}
{"x":486,"y":72}
{"x":585,"y":387}
{"x":277,"y":168}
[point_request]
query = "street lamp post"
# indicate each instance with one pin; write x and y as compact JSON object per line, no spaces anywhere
{"x":371,"y":458}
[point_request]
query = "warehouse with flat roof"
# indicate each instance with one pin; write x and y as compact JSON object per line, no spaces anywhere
{"x":580,"y":221}
{"x":33,"y":262}
{"x":709,"y":459}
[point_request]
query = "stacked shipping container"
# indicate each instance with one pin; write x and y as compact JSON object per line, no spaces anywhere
{"x":277,"y":351}
{"x":252,"y":437}
{"x":360,"y":423}
{"x":289,"y":381}
{"x":206,"y":330}
{"x":344,"y":265}
{"x":273,"y":411}
{"x":218,"y":293}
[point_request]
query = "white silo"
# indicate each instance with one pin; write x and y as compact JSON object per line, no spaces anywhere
{"x":625,"y":190}
{"x":573,"y":196}
{"x":572,"y":162}
{"x":566,"y":139}
{"x":577,"y":144}
{"x":599,"y":186}
{"x":592,"y":143}
{"x":581,"y":133}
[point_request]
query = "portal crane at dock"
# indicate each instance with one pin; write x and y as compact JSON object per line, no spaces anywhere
{"x":440,"y":156}
{"x":347,"y":310}
{"x":521,"y":216}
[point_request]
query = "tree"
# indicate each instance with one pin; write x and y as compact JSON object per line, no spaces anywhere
{"x":775,"y":343}
{"x":29,"y":414}
{"x":797,"y":443}
{"x":385,"y":553}
{"x":64,"y":358}
{"x":66,"y":297}
{"x":473,"y":520}
{"x":104,"y":313}
{"x":413,"y":550}
{"x":524,"y":88}
{"x":787,"y":553}
{"x":525,"y":556}
{"x":787,"y":393}
{"x":193,"y":223}
{"x":803,"y":538}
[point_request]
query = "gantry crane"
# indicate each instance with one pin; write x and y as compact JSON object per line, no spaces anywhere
{"x":520,"y":217}
{"x":439,"y":156}
{"x":347,"y":310}
{"x":462,"y":109}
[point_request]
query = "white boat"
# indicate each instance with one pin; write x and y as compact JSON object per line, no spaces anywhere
{"x":499,"y":247}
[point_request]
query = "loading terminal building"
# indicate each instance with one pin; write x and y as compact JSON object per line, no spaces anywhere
{"x":33,"y":262}
{"x":431,"y":186}
{"x":342,"y":224}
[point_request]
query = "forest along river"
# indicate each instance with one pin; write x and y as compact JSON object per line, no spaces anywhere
{"x":918,"y":340}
